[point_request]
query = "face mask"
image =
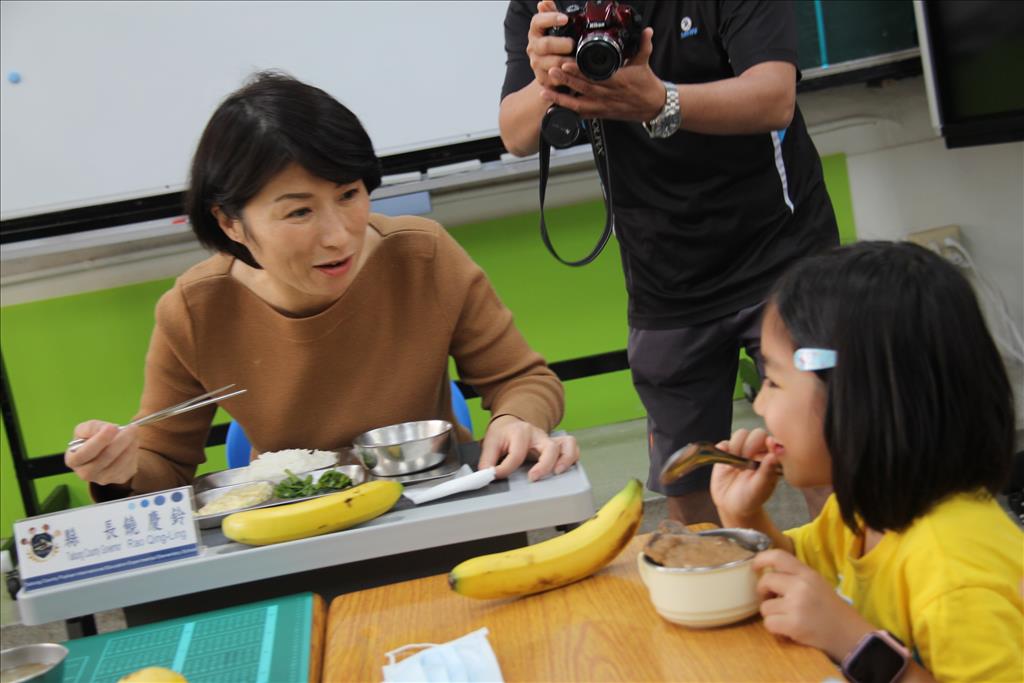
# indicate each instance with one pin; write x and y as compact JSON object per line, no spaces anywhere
{"x":469,"y":658}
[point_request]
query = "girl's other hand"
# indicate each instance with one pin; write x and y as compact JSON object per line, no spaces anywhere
{"x":108,"y":456}
{"x":740,"y":494}
{"x":799,"y":604}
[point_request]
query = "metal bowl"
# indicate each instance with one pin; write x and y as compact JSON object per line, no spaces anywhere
{"x":49,"y":655}
{"x":404,"y":448}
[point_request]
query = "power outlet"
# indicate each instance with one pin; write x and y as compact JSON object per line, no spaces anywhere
{"x":935,"y":240}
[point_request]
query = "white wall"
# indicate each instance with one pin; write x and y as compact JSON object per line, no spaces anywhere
{"x":113,"y":95}
{"x":903,"y":179}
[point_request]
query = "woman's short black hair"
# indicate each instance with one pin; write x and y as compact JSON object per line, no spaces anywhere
{"x":271,"y":122}
{"x":919,"y":404}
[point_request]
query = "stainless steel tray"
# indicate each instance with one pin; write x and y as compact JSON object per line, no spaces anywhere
{"x":242,"y":475}
{"x":357,"y":473}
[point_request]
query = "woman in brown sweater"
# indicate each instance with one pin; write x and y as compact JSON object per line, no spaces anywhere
{"x":337,"y":321}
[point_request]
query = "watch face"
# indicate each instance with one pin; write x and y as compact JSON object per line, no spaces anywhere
{"x":877,"y":662}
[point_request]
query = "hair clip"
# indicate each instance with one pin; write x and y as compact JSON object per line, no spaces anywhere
{"x":814,"y":359}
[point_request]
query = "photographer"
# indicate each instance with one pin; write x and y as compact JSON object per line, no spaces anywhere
{"x":717,"y":188}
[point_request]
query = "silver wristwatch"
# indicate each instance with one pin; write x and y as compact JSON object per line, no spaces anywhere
{"x":667,"y":121}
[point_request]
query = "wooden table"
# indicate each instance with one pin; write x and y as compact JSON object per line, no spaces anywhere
{"x":603,"y":628}
{"x":316,"y":640}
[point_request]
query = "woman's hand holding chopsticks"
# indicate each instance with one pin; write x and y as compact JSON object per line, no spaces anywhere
{"x":109,"y":455}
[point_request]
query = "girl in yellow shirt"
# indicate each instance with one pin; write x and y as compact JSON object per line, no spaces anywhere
{"x":882,"y":380}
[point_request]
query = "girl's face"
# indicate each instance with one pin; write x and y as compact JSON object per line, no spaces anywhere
{"x":792,"y":403}
{"x":310,"y":236}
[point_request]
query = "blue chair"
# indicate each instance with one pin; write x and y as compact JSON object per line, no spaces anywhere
{"x":239,"y":448}
{"x":461,"y":408}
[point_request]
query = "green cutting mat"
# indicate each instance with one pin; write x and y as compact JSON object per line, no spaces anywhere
{"x":261,"y":642}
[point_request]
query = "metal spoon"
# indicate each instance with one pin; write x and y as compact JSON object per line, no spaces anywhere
{"x":699,"y":453}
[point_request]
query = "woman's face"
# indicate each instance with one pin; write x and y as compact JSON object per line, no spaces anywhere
{"x":792,"y":403}
{"x":309,"y":234}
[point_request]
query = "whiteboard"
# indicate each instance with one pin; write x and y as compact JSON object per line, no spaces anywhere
{"x":114,"y":95}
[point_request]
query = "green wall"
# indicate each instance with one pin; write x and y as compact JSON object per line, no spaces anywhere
{"x":79,"y":357}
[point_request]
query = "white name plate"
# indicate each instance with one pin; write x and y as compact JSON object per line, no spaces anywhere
{"x":121,"y":535}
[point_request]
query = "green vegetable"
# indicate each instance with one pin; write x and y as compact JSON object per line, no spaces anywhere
{"x":334,"y":479}
{"x":295,"y":487}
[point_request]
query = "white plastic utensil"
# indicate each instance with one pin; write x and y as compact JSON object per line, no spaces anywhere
{"x":465,"y":480}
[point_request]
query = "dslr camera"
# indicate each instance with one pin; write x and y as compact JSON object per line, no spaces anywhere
{"x":606,"y":33}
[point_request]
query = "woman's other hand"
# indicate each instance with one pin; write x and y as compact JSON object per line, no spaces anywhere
{"x":798,"y":603}
{"x":740,"y":494}
{"x":108,"y":456}
{"x":516,"y":439}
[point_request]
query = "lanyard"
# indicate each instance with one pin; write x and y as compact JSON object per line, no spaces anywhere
{"x":599,"y":146}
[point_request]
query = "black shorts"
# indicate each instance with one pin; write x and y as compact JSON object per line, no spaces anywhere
{"x":686,"y":378}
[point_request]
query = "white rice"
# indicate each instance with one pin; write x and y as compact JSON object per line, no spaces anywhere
{"x":273,"y":464}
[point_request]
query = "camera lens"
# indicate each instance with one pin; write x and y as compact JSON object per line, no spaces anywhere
{"x":560,"y":127}
{"x":599,"y":56}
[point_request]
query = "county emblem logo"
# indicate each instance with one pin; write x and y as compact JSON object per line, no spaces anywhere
{"x":42,"y":543}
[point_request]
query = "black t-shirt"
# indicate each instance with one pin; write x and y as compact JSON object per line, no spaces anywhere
{"x":705,"y":223}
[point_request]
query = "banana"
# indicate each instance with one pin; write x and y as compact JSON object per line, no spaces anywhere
{"x":323,"y":515}
{"x":153,"y":674}
{"x":570,"y":557}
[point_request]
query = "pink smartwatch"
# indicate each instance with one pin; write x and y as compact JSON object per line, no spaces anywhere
{"x":879,"y":657}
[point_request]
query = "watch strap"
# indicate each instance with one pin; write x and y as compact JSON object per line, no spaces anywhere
{"x":893,"y":643}
{"x":668,"y":119}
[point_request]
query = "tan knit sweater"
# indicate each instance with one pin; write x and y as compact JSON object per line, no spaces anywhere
{"x":377,"y":356}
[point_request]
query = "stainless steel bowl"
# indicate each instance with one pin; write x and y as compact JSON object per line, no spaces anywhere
{"x":404,"y":448}
{"x":49,"y":656}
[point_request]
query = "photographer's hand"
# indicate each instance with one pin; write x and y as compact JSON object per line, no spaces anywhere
{"x":633,"y":93}
{"x":521,"y":111}
{"x":547,"y":52}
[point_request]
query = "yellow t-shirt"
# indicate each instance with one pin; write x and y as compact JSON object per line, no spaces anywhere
{"x":949,"y":586}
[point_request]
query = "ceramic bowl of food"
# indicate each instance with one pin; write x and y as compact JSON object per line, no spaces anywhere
{"x":713,"y":582}
{"x":40,"y":662}
{"x":404,"y":448}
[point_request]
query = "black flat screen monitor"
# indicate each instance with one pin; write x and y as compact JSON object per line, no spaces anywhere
{"x":972,"y":52}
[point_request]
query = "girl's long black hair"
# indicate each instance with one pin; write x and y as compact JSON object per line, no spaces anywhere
{"x":919,"y":404}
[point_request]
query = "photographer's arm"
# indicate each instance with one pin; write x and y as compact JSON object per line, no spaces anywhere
{"x":519,"y":119}
{"x":761,"y":99}
{"x":521,"y":111}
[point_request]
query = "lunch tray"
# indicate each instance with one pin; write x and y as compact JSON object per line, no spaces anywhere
{"x":241,"y":475}
{"x":262,"y":642}
{"x":210,"y":486}
{"x":356,"y":473}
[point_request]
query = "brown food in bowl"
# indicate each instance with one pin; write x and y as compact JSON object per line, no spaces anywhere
{"x":691,"y":550}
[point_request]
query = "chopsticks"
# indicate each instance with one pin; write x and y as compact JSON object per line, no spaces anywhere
{"x":183,"y":407}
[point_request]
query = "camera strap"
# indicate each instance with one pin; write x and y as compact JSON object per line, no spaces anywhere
{"x":599,"y":146}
